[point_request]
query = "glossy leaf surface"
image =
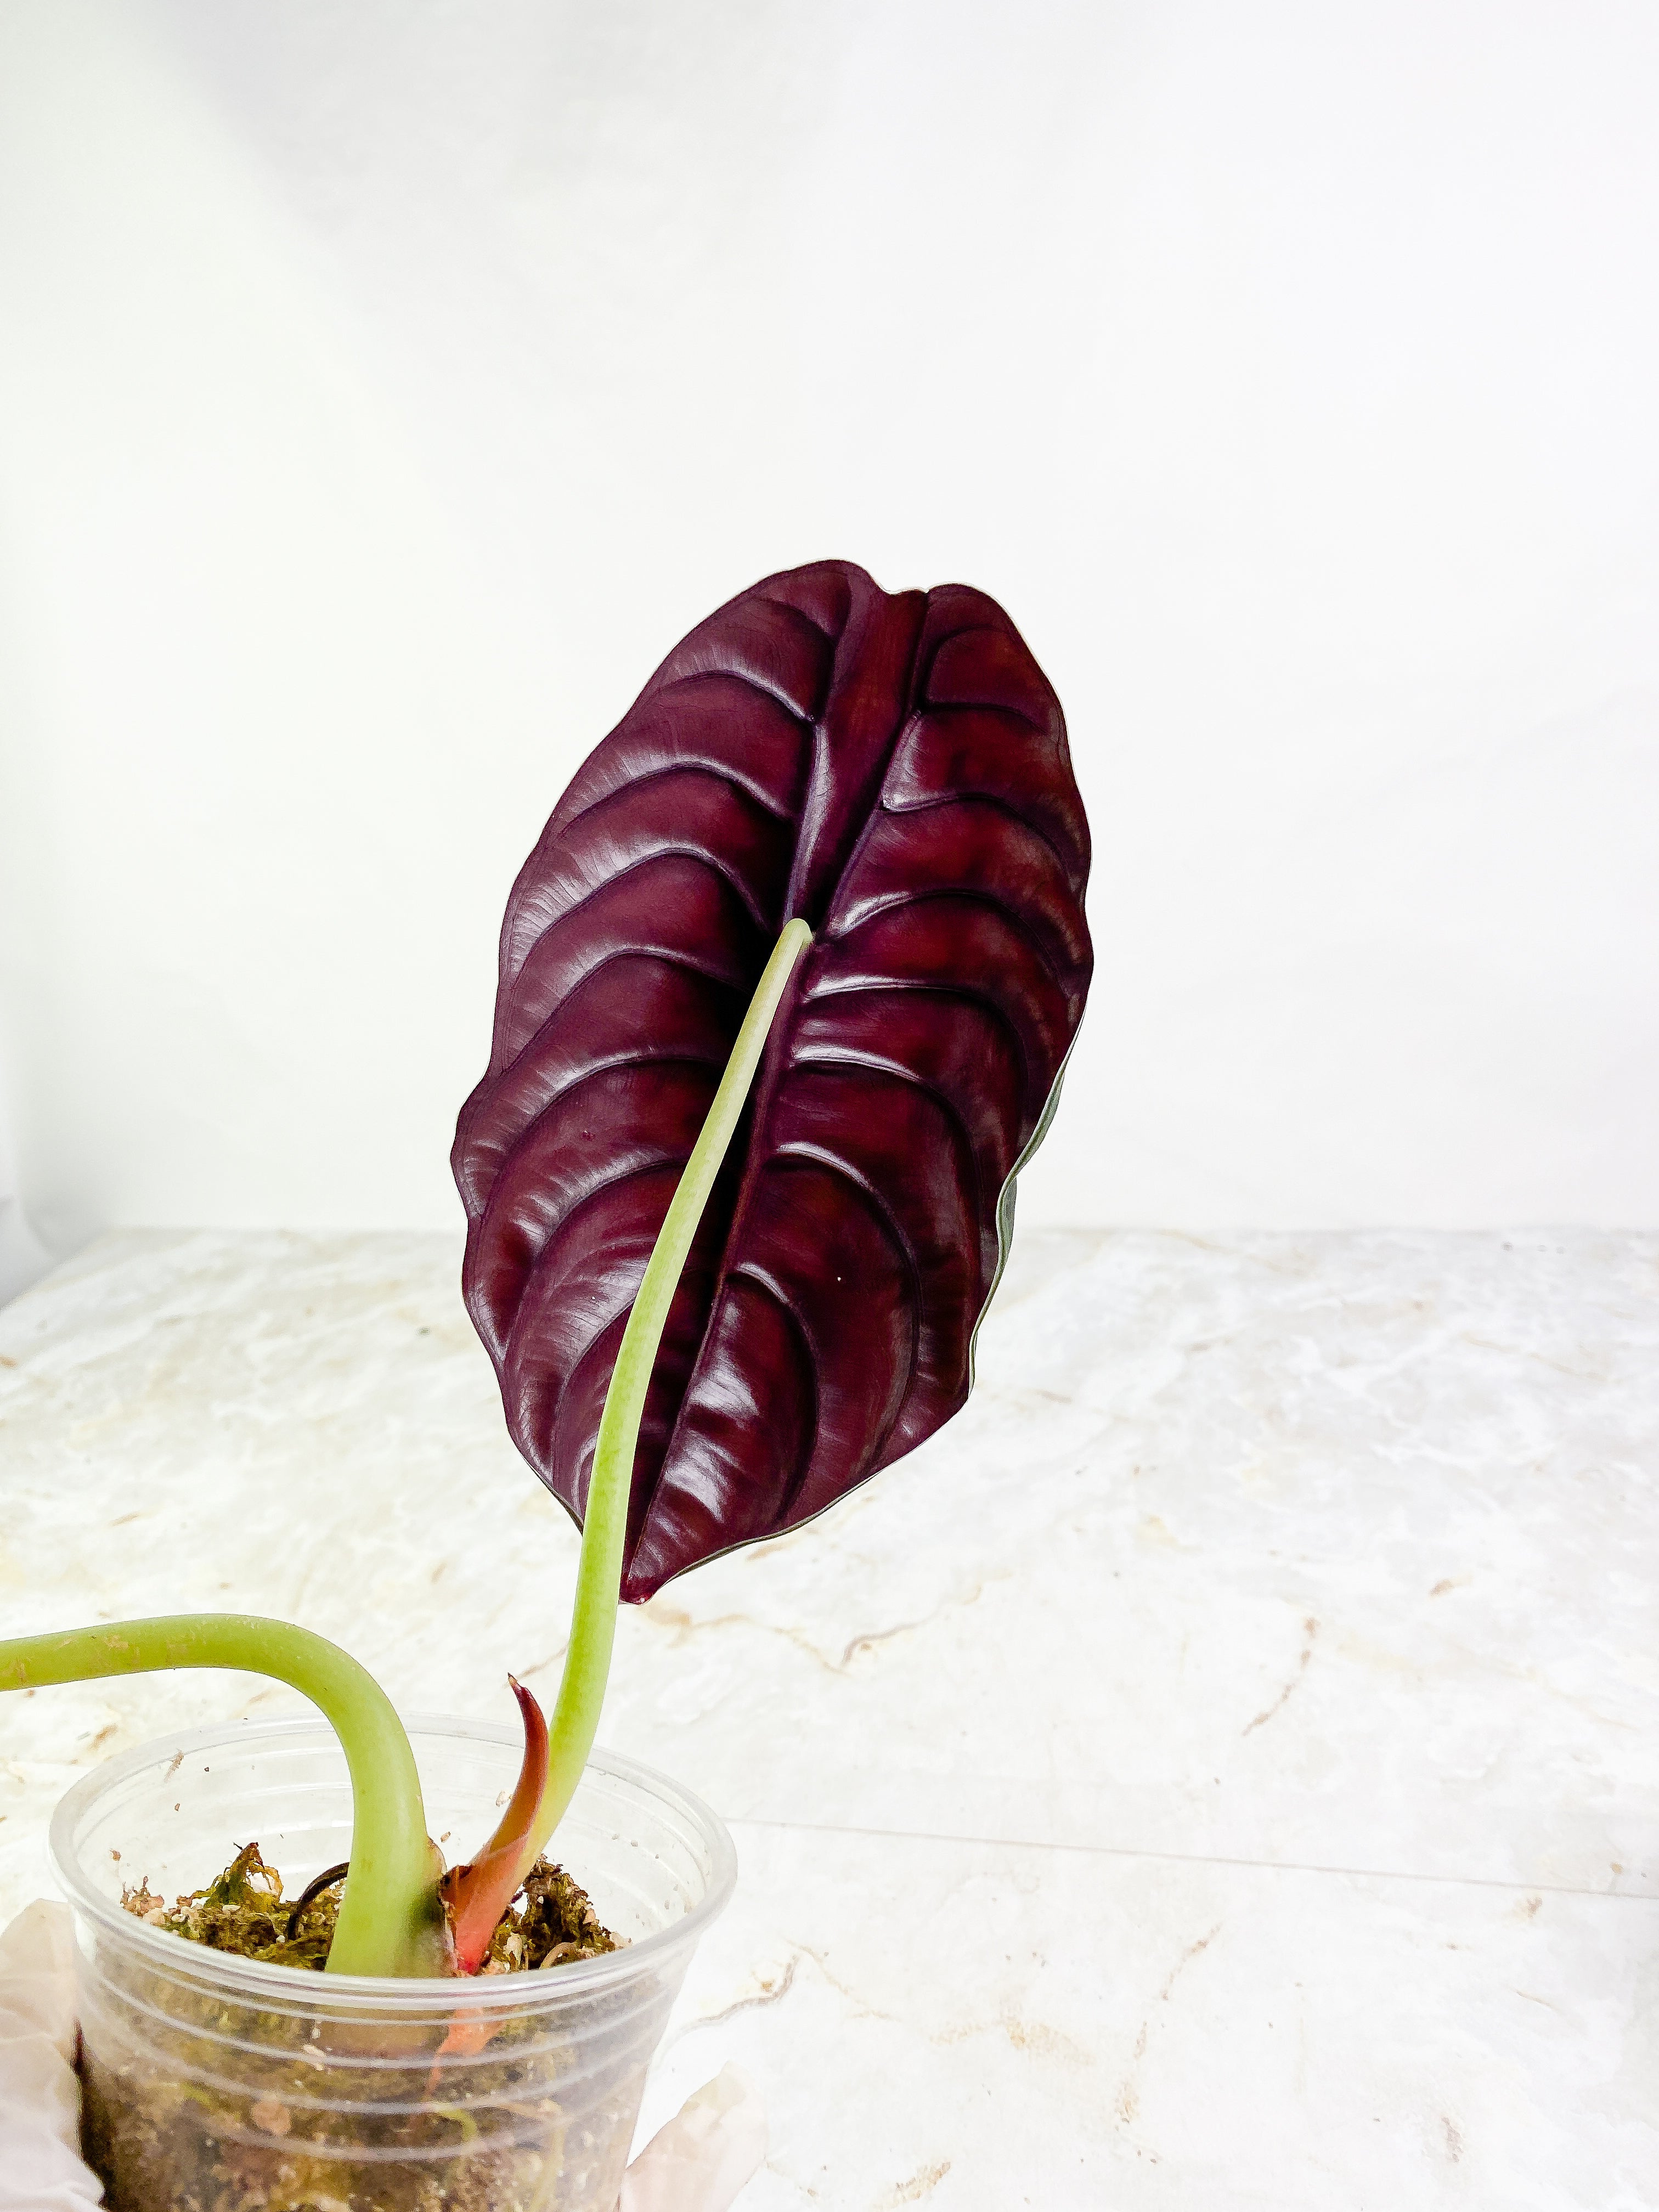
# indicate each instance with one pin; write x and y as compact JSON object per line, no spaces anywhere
{"x":893,"y":768}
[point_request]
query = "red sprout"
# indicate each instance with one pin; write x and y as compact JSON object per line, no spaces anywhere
{"x":475,"y":1895}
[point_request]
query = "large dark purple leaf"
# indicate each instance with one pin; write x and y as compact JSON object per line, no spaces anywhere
{"x":895,"y":770}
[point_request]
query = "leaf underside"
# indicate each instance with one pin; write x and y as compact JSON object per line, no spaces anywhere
{"x":893,"y":770}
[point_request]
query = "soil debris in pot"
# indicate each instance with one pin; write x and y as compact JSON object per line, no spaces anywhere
{"x":551,"y":1923}
{"x":197,"y":2098}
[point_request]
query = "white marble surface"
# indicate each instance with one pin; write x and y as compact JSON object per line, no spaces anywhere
{"x":1221,"y":1769}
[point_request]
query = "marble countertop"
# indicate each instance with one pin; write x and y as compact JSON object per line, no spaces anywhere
{"x":1220,"y":1770}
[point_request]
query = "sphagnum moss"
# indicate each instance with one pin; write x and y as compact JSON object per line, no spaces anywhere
{"x":243,"y":1912}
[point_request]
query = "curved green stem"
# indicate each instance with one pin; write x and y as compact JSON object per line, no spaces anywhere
{"x":605,"y":1524}
{"x":390,"y":1922}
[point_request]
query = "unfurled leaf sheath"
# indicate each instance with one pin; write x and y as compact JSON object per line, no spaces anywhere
{"x":390,"y":1922}
{"x":605,"y":1523}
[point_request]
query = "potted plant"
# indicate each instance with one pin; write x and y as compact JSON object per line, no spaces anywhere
{"x":787,"y":987}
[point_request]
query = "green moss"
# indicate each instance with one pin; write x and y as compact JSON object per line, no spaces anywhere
{"x":242,"y":1911}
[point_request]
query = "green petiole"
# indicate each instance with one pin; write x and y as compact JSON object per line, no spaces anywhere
{"x":389,"y":1922}
{"x":604,"y":1525}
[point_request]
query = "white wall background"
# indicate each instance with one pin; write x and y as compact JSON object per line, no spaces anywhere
{"x":385,"y":386}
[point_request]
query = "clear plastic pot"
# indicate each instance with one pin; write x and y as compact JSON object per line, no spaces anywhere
{"x":219,"y":2084}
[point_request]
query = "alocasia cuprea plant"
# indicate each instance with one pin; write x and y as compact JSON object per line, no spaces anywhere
{"x":786,"y":991}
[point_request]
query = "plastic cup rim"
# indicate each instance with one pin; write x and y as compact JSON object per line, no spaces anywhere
{"x":381,"y":1992}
